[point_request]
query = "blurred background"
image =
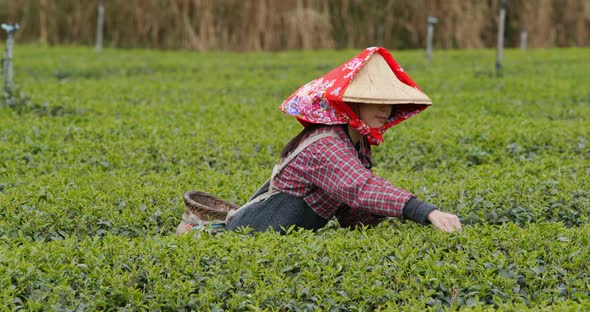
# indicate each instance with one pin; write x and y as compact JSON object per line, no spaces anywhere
{"x":273,"y":25}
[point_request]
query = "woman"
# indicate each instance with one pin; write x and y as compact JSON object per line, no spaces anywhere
{"x":325,"y":171}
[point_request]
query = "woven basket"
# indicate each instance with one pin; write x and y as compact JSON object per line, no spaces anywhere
{"x":206,"y":206}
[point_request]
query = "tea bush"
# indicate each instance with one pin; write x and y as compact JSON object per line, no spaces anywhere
{"x":96,"y":155}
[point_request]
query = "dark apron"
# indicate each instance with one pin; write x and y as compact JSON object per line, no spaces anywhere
{"x":273,"y":209}
{"x":278,"y":212}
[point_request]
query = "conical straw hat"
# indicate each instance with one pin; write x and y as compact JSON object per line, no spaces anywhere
{"x":375,"y":83}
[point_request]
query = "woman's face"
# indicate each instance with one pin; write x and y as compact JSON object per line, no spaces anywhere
{"x":374,"y":115}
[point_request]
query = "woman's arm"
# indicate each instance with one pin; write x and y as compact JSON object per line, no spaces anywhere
{"x":333,"y":166}
{"x":336,"y":170}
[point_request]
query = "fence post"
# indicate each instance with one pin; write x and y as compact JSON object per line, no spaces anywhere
{"x":500,"y":47}
{"x":7,"y":72}
{"x":99,"y":26}
{"x":523,"y":38}
{"x":431,"y":21}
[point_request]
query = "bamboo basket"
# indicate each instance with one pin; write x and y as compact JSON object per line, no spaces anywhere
{"x":206,"y":206}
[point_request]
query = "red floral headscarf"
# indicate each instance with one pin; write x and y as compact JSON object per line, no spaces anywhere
{"x":320,"y":101}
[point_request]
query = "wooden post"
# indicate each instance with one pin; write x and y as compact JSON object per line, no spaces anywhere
{"x":500,"y":47}
{"x":431,"y":21}
{"x":43,"y":20}
{"x":99,"y":26}
{"x":523,"y":38}
{"x":7,"y":72}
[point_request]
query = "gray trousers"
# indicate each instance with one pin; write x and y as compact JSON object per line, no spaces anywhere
{"x":277,"y":212}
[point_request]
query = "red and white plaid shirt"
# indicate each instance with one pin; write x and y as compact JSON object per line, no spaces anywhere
{"x":329,"y":176}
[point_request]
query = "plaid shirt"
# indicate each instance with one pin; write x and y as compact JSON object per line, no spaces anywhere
{"x":333,"y":181}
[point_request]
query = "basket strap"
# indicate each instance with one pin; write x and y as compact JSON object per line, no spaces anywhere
{"x":307,"y":142}
{"x":277,"y":169}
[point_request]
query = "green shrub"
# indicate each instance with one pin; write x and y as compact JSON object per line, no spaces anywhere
{"x":94,"y":164}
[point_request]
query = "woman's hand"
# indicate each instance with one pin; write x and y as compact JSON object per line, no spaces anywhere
{"x":444,"y":221}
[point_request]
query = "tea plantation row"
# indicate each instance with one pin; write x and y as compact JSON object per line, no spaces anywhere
{"x":392,"y":266}
{"x":96,"y":151}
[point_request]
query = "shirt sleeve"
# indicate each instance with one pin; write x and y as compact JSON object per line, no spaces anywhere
{"x":335,"y":168}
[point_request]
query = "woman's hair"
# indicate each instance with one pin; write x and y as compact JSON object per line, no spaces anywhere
{"x":292,"y":145}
